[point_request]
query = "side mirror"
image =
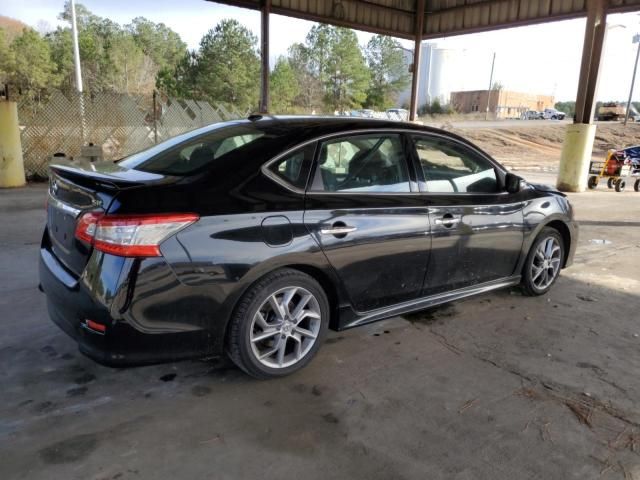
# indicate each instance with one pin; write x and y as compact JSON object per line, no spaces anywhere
{"x":512,"y":183}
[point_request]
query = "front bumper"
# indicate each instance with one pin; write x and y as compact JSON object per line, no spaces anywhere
{"x":142,"y":325}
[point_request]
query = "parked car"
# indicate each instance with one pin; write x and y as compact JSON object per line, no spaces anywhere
{"x":367,"y":113}
{"x":553,"y":114}
{"x":532,"y":115}
{"x":397,"y":113}
{"x":255,"y":237}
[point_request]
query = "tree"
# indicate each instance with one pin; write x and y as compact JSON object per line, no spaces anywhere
{"x":97,"y":39}
{"x":84,"y":18}
{"x":348,"y":75}
{"x":132,"y":71}
{"x":61,"y":48}
{"x":330,"y":65}
{"x":179,"y":80}
{"x":567,"y":107}
{"x":227,"y":65}
{"x":114,"y":58}
{"x":318,"y":51}
{"x":7,"y":59}
{"x":31,"y":67}
{"x":389,"y":72}
{"x":311,"y":89}
{"x":157,"y":41}
{"x":284,"y":87}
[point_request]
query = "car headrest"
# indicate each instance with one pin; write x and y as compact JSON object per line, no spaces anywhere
{"x":201,"y":155}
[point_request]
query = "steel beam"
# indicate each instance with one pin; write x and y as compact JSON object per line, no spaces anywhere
{"x":415,"y":79}
{"x":264,"y":54}
{"x":594,"y":35}
{"x":578,"y":141}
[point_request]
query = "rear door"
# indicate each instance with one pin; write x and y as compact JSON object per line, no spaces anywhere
{"x":364,"y":210}
{"x":477,"y":227}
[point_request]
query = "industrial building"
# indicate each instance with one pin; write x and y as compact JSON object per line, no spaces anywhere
{"x":500,"y":103}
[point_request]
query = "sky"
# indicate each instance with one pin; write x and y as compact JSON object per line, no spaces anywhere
{"x":543,"y":59}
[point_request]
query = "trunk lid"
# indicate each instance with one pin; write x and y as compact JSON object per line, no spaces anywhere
{"x":74,"y":190}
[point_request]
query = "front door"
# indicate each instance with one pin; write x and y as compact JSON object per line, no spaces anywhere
{"x":365,"y":212}
{"x":476,"y":226}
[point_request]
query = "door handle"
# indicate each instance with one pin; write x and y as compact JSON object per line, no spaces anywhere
{"x":448,"y":221}
{"x":338,"y":230}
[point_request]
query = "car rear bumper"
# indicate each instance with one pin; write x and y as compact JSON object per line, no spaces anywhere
{"x":136,"y":335}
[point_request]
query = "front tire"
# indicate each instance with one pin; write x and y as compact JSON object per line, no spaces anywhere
{"x":278,"y":324}
{"x":593,"y":182}
{"x":620,"y":184}
{"x":543,"y":263}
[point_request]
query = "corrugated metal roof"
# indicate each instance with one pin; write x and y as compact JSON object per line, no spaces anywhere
{"x":442,"y":17}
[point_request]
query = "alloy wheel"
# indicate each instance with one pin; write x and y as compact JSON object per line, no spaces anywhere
{"x":285,"y":327}
{"x":546,"y":263}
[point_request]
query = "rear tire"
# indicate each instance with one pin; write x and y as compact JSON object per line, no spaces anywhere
{"x":543,"y":263}
{"x":278,"y":324}
{"x":620,"y":184}
{"x":610,"y":182}
{"x":636,"y":186}
{"x":593,"y":182}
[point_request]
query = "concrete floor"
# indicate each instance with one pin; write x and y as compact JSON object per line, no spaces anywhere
{"x":496,"y":387}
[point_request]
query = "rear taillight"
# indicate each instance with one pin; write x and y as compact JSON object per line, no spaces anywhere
{"x":130,"y":235}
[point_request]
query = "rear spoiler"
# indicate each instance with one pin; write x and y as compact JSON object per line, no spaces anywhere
{"x":112,"y":179}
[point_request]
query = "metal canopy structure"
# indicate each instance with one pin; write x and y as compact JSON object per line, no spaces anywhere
{"x":398,"y":18}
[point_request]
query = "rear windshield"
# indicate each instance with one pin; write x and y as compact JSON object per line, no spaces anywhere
{"x":191,"y":153}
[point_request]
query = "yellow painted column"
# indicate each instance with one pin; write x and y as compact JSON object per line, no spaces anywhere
{"x":575,"y":157}
{"x":11,"y":163}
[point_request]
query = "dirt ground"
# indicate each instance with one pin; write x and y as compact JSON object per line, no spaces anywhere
{"x":498,"y":387}
{"x":536,"y":145}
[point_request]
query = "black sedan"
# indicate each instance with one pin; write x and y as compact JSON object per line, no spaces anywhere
{"x":255,"y":237}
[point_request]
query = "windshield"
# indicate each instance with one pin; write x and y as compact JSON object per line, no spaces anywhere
{"x":189,"y":154}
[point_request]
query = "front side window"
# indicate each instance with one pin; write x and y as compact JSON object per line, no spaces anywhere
{"x":362,"y":163}
{"x":450,"y":167}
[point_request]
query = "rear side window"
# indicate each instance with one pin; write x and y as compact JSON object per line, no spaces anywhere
{"x":192,"y":156}
{"x":362,"y":163}
{"x":449,"y":167}
{"x":294,"y":168}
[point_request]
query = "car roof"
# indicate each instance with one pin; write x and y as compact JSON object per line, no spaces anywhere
{"x":298,"y":129}
{"x":314,"y":126}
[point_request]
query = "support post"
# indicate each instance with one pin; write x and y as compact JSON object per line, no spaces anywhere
{"x":155,"y":116}
{"x":11,"y":161}
{"x":578,"y":143}
{"x":493,"y":64}
{"x":415,"y":79}
{"x":636,"y":39}
{"x":264,"y":53}
{"x":78,"y":71}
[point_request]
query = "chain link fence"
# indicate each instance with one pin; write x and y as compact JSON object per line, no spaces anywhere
{"x":121,"y":124}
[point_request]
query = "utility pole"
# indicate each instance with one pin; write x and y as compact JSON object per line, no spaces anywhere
{"x":636,"y":39}
{"x":76,"y":48}
{"x":493,"y":63}
{"x":76,"y":62}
